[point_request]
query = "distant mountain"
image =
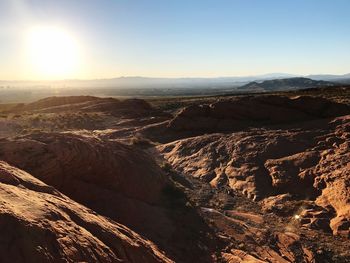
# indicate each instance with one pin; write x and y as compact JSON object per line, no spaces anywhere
{"x":334,"y":78}
{"x":271,"y":81}
{"x":285,"y":84}
{"x":144,"y":82}
{"x":343,"y":81}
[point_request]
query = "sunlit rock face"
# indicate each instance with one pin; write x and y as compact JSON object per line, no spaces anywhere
{"x":309,"y":161}
{"x":116,"y":180}
{"x":112,"y":178}
{"x":39,"y":224}
{"x":70,"y":161}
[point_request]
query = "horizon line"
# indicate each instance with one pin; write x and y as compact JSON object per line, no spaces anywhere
{"x":182,"y":77}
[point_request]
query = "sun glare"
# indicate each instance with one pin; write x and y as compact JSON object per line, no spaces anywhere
{"x":53,"y":52}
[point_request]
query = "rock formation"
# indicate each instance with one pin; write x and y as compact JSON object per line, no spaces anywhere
{"x":309,"y":161}
{"x":128,"y":107}
{"x":113,"y":179}
{"x":39,"y":224}
{"x":241,"y":179}
{"x":254,"y":111}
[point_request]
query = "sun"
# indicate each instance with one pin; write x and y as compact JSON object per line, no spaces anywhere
{"x":53,"y":52}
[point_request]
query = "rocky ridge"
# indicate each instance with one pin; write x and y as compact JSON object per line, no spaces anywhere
{"x":114,"y":179}
{"x":39,"y":224}
{"x":310,"y":162}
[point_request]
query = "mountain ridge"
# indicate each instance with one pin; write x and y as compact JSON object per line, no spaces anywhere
{"x":285,"y":84}
{"x":155,"y":82}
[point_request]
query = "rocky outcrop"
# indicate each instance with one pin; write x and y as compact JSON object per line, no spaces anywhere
{"x":39,"y":224}
{"x":70,"y":162}
{"x":115,"y":180}
{"x":254,"y":111}
{"x":127,"y":107}
{"x":53,"y":102}
{"x":308,"y":161}
{"x":252,"y":239}
{"x":242,"y":158}
{"x":333,"y":176}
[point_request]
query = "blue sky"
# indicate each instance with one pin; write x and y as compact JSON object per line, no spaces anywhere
{"x":183,"y":38}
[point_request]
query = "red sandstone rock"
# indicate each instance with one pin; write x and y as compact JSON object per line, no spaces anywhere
{"x":308,"y":162}
{"x":252,"y":111}
{"x":116,"y":180}
{"x":39,"y":224}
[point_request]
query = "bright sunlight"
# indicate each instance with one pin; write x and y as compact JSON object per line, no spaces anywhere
{"x":53,"y":52}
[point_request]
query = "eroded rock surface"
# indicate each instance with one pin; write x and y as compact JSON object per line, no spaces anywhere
{"x":70,"y":161}
{"x":39,"y":224}
{"x":267,"y":180}
{"x":252,"y":111}
{"x":130,"y":107}
{"x":309,"y":161}
{"x":116,"y":180}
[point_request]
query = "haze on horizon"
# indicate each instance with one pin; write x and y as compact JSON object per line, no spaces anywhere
{"x":86,"y":39}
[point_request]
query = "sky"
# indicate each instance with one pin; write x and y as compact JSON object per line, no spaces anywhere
{"x":172,"y":38}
